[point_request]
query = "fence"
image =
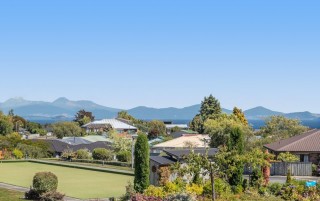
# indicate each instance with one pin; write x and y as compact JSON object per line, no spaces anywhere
{"x":281,"y":168}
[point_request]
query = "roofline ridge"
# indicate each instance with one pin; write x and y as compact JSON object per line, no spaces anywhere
{"x":318,"y":130}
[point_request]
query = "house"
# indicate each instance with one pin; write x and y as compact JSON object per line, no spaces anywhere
{"x":58,"y":146}
{"x":185,"y":141}
{"x":181,"y":133}
{"x":159,"y":163}
{"x":101,"y":125}
{"x":306,"y":146}
{"x":169,"y":126}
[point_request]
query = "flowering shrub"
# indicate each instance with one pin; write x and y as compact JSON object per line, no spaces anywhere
{"x":194,"y":189}
{"x":155,"y":192}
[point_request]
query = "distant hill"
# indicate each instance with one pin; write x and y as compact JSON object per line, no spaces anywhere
{"x":64,"y":109}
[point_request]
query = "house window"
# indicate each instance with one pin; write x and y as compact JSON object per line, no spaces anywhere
{"x":304,"y":158}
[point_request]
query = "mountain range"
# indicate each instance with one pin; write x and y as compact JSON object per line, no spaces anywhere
{"x":64,"y":109}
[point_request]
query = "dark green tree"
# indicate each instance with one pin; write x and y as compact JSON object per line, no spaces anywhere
{"x":236,"y":140}
{"x":6,"y":125}
{"x":141,"y":163}
{"x":156,"y":128}
{"x":197,"y":124}
{"x":210,"y":106}
{"x":66,"y":129}
{"x":125,"y":115}
{"x":83,"y":117}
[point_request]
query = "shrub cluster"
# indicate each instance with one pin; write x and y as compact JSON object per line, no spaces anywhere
{"x":44,"y":188}
{"x":102,"y":154}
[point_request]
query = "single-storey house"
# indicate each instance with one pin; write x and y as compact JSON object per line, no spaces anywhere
{"x":59,"y":146}
{"x":157,"y":163}
{"x":182,"y":133}
{"x":306,"y":146}
{"x":185,"y":141}
{"x":100,"y":125}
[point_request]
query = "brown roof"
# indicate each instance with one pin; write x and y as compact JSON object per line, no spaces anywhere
{"x":306,"y":142}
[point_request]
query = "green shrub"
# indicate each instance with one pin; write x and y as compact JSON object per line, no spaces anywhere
{"x":68,"y":154}
{"x":31,"y":151}
{"x":275,"y":188}
{"x":237,"y":189}
{"x":172,"y":188}
{"x":288,"y":157}
{"x":102,"y":154}
{"x":256,"y":177}
{"x":17,"y":154}
{"x":289,"y":176}
{"x":83,"y":154}
{"x":221,"y":188}
{"x":44,"y":182}
{"x":52,"y":196}
{"x":245,"y":184}
{"x":194,"y":189}
{"x":124,"y":156}
{"x":154,"y":191}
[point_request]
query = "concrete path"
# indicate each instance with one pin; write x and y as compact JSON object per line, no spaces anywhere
{"x":23,"y":189}
{"x":282,"y":179}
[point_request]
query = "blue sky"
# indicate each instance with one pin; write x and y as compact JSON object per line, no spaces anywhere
{"x":162,"y":53}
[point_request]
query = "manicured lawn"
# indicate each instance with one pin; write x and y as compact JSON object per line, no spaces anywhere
{"x":8,"y":195}
{"x":73,"y":182}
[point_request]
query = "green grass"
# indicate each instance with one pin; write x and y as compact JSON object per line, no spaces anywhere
{"x":8,"y":195}
{"x":92,"y":165}
{"x":73,"y":182}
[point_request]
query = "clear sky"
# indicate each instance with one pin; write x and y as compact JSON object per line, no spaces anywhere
{"x":162,"y":53}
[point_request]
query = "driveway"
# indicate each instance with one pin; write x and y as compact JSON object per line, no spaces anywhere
{"x":282,"y":179}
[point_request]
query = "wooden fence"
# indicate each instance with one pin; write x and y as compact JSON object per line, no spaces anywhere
{"x":281,"y":168}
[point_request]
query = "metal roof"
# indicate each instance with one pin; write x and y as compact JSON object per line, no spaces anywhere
{"x":163,"y":160}
{"x":114,"y":123}
{"x":168,"y":126}
{"x":306,"y":142}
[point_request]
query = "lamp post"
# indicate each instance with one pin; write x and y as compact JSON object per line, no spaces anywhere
{"x":134,"y":136}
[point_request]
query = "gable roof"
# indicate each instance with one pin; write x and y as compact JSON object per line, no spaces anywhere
{"x":180,"y":153}
{"x":114,"y":123}
{"x":60,"y":146}
{"x":306,"y":142}
{"x":181,"y":133}
{"x":163,"y":160}
{"x":197,"y":140}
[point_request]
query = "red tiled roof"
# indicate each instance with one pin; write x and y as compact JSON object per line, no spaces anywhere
{"x":306,"y":142}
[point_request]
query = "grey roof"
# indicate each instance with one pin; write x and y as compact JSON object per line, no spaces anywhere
{"x":59,"y":146}
{"x":163,"y":160}
{"x":306,"y":142}
{"x":180,"y":153}
{"x":114,"y":123}
{"x":180,"y":133}
{"x":74,"y":140}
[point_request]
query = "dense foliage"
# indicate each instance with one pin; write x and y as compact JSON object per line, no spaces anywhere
{"x":156,"y":128}
{"x":280,"y":127}
{"x":44,"y":182}
{"x":210,"y":107}
{"x":102,"y":154}
{"x":6,"y":125}
{"x":141,"y":163}
{"x":83,"y":117}
{"x":66,"y":129}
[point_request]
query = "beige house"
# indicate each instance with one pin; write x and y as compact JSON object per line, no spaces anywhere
{"x":185,"y":141}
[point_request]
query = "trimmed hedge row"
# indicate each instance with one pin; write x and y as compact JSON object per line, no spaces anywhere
{"x":122,"y":172}
{"x":114,"y":163}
